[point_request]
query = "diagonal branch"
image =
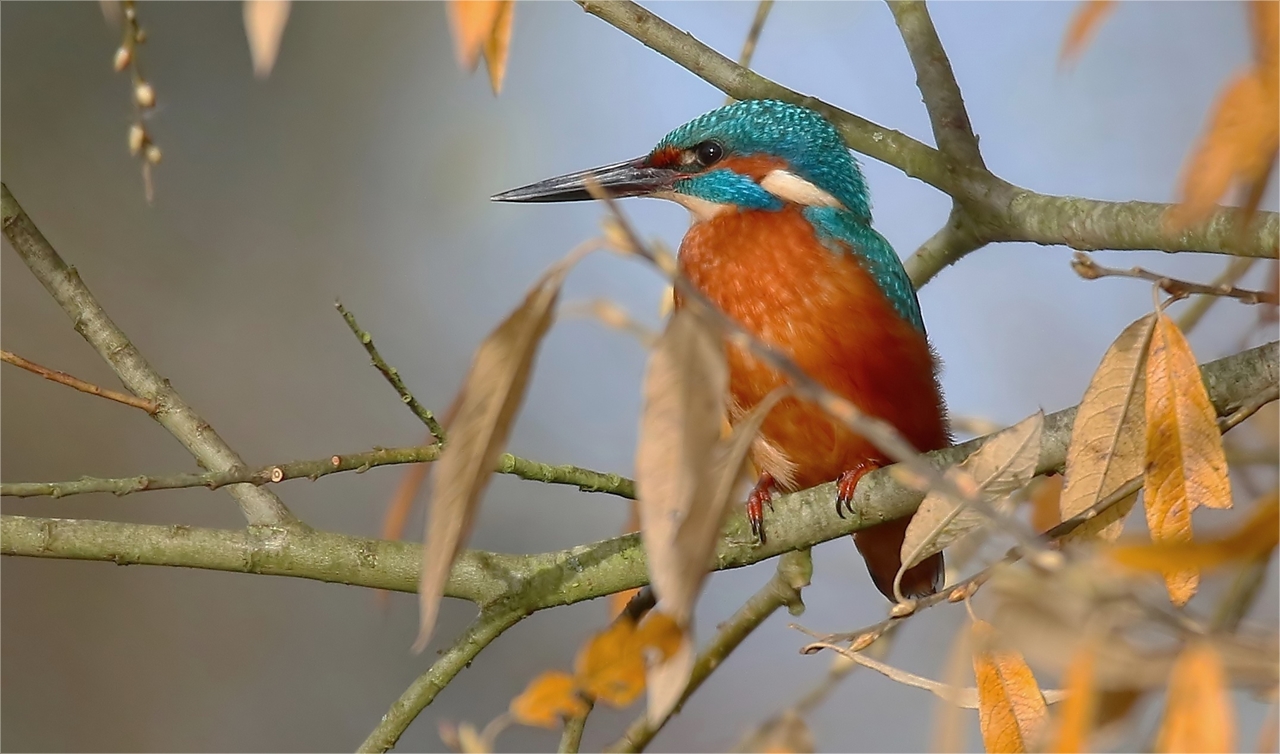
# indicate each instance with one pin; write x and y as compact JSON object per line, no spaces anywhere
{"x":260,"y":506}
{"x":62,"y":378}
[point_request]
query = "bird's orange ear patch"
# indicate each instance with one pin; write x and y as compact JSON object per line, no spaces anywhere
{"x":753,"y":166}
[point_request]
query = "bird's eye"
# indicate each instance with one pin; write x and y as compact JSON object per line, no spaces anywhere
{"x":708,"y":153}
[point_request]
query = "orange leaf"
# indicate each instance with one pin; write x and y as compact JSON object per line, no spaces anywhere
{"x":1239,"y":142}
{"x":498,"y":43}
{"x":1198,"y":716}
{"x":1264,"y":21}
{"x":659,"y":631}
{"x":548,"y":699}
{"x":1186,"y":466}
{"x":1046,"y":491}
{"x":1084,"y":24}
{"x":610,"y":667}
{"x":472,"y":23}
{"x":1076,"y":714}
{"x":1255,"y":538}
{"x":1011,"y":709}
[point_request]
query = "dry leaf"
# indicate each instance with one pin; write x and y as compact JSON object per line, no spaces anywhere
{"x":1045,"y":497}
{"x":549,"y":699}
{"x":490,"y":398}
{"x":1186,"y":466}
{"x":1107,"y":439}
{"x":668,"y":680}
{"x":1084,"y":24}
{"x":610,"y":668}
{"x":1198,"y":715}
{"x":1003,"y":465}
{"x":1254,"y":539}
{"x":786,"y":734}
{"x":1011,"y":709}
{"x":1075,"y":718}
{"x":264,"y":22}
{"x":498,"y":44}
{"x":472,"y":23}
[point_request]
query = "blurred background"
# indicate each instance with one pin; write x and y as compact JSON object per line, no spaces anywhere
{"x":361,"y":169}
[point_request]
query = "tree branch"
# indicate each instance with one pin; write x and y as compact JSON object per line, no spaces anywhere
{"x":1007,"y":212}
{"x":1200,"y":305}
{"x":951,"y":243}
{"x":62,"y":378}
{"x":584,"y":479}
{"x":793,"y":574}
{"x":487,"y":627}
{"x":260,"y":507}
{"x":1088,"y":269}
{"x":801,"y":520}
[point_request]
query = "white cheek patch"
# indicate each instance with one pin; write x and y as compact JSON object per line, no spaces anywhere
{"x":701,"y":209}
{"x":790,"y":187}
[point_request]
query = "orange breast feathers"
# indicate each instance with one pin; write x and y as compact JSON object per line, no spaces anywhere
{"x":770,"y":272}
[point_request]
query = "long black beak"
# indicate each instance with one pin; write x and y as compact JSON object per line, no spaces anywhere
{"x":630,"y":178}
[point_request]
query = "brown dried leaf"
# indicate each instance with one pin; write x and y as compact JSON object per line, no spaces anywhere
{"x":1084,"y":24}
{"x":1198,"y":716}
{"x":668,"y":679}
{"x":1186,"y":466}
{"x":1011,"y":709}
{"x":1075,"y":718}
{"x":264,"y":22}
{"x":1106,"y":449}
{"x":1256,"y":537}
{"x":1003,"y":465}
{"x":490,"y":398}
{"x":498,"y":44}
{"x":472,"y":23}
{"x":549,"y":699}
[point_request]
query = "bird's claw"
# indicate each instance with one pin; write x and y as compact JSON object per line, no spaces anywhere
{"x":760,"y":496}
{"x":847,"y":483}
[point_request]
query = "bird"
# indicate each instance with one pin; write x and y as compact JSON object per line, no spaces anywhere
{"x":781,"y":240}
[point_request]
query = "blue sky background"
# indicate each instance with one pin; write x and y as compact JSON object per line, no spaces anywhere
{"x":361,"y":169}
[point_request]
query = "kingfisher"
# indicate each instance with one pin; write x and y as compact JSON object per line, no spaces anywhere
{"x":781,"y":241}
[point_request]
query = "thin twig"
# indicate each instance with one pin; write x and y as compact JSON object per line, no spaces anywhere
{"x":753,"y":37}
{"x":571,"y":737}
{"x":1088,"y":269}
{"x":584,"y":479}
{"x":793,"y":574}
{"x":1009,"y":212}
{"x":63,"y":378}
{"x":393,"y":376}
{"x":489,"y":625}
{"x":1200,"y":305}
{"x":142,"y":94}
{"x":260,"y":506}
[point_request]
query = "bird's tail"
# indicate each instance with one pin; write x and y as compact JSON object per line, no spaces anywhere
{"x":881,"y":548}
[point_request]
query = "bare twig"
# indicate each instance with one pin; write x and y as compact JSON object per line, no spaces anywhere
{"x":794,"y":571}
{"x":393,"y":376}
{"x":142,"y":94}
{"x":753,"y":37}
{"x":1200,"y":305}
{"x":1009,"y":213}
{"x":571,"y":738}
{"x":63,"y":378}
{"x":1088,"y":269}
{"x":489,"y":625}
{"x":260,"y":506}
{"x":584,"y":479}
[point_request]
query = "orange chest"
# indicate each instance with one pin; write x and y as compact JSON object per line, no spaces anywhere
{"x":769,"y":271}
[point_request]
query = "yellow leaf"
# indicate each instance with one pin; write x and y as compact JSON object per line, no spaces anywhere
{"x":472,"y":23}
{"x":1198,"y":715}
{"x":1003,"y":464}
{"x":1076,"y":713}
{"x":1106,"y":448}
{"x":1011,"y":709}
{"x":1186,"y":466}
{"x":611,"y":667}
{"x":660,"y":632}
{"x":1084,"y":24}
{"x":498,"y":43}
{"x":549,"y":698}
{"x":1255,"y":538}
{"x":264,"y":22}
{"x":1239,"y":142}
{"x":487,"y":407}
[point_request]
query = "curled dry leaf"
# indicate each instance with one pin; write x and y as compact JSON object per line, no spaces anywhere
{"x":1003,"y":465}
{"x":1198,"y":716}
{"x":489,"y":400}
{"x":264,"y":22}
{"x":1185,"y":463}
{"x":1011,"y":708}
{"x":1255,"y":538}
{"x":549,"y":698}
{"x":1084,"y":24}
{"x":1107,"y":439}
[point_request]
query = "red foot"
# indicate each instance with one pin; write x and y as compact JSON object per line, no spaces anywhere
{"x":760,"y":496}
{"x":848,"y":482}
